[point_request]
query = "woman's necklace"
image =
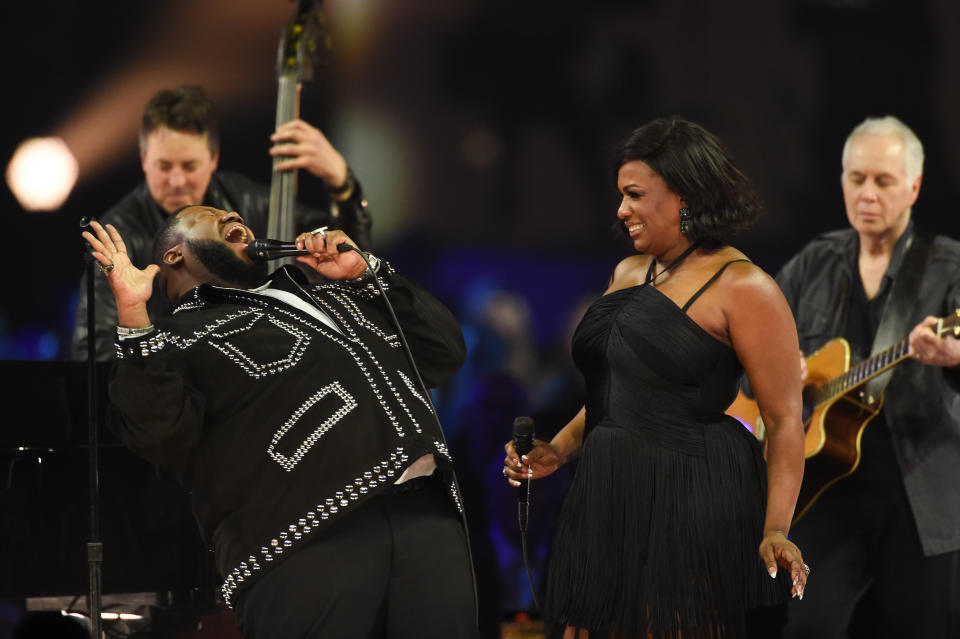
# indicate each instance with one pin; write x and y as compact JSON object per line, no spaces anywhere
{"x":652,"y":279}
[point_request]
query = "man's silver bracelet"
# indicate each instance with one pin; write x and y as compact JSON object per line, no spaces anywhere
{"x":374,"y":266}
{"x":127,"y":333}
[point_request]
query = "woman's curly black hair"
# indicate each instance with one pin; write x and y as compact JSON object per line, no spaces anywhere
{"x":697,"y":167}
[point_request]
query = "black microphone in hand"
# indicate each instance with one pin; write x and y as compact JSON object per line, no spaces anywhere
{"x":523,"y":444}
{"x":263,"y":250}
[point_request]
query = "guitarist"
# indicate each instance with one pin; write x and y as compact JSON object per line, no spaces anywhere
{"x":883,"y":542}
{"x":179,"y":153}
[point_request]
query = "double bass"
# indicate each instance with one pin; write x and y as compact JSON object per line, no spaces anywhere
{"x":304,"y":47}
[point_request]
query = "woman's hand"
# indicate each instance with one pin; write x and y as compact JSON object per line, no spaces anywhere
{"x":539,"y":462}
{"x":777,"y":550}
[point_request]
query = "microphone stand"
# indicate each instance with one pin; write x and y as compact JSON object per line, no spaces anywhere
{"x":94,"y":546}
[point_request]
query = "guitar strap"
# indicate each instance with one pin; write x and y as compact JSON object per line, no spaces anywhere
{"x":898,"y":309}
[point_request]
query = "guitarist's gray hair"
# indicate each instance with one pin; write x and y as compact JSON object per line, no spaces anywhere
{"x":890,"y":125}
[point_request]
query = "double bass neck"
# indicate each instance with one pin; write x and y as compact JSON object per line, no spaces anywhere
{"x":283,"y":184}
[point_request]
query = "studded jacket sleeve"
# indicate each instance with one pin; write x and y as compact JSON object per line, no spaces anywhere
{"x":157,"y":412}
{"x":431,"y":330}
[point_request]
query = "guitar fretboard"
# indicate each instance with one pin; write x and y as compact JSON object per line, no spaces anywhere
{"x":863,"y":371}
{"x":873,"y":366}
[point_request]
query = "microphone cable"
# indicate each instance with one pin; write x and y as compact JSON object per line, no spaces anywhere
{"x":523,"y":437}
{"x":343,"y":248}
{"x":267,"y":249}
{"x":523,"y":513}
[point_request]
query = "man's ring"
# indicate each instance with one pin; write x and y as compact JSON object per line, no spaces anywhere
{"x":105,"y":269}
{"x":806,"y":569}
{"x":322,"y":232}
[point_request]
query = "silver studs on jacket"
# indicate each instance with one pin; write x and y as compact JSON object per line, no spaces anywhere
{"x":379,"y":474}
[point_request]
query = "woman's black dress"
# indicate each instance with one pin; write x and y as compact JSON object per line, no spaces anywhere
{"x":660,"y":530}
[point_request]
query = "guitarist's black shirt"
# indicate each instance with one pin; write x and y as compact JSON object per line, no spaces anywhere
{"x":878,"y":461}
{"x":921,"y":406}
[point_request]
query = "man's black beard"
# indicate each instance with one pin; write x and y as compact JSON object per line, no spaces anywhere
{"x":226,"y":266}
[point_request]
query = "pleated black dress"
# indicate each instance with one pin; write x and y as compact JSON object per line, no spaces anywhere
{"x":658,"y":535}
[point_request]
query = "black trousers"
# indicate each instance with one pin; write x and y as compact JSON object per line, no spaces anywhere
{"x":869,"y":577}
{"x":397,"y":567}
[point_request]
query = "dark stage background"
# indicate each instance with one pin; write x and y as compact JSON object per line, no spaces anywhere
{"x":482,"y":132}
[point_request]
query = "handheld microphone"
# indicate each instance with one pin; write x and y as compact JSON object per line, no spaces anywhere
{"x":263,"y":250}
{"x":523,"y":444}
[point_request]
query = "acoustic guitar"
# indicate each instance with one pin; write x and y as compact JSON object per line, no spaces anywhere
{"x":303,"y":47}
{"x":840,"y":406}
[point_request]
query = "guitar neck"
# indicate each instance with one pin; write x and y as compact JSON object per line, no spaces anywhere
{"x":875,"y":365}
{"x":863,"y":371}
{"x":283,"y":184}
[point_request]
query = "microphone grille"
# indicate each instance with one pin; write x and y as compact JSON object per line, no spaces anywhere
{"x":253,"y":250}
{"x":523,"y":426}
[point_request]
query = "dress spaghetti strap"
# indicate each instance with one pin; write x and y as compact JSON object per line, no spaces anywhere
{"x":709,"y":282}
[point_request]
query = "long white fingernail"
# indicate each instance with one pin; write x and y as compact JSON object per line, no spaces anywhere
{"x":773,"y":572}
